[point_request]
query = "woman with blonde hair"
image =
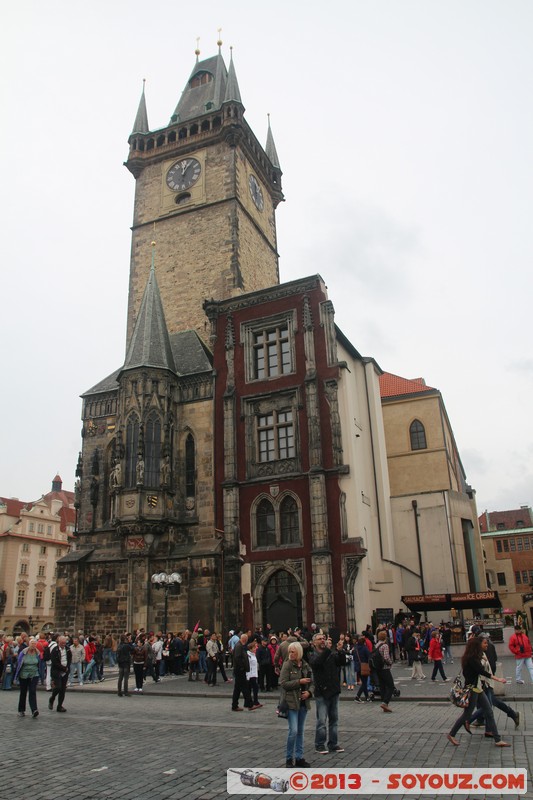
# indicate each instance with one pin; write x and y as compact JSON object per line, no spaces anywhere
{"x":296,"y":680}
{"x":27,"y":675}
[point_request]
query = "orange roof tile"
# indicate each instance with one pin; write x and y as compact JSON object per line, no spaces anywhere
{"x":394,"y":386}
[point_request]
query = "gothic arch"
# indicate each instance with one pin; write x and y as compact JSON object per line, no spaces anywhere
{"x":262,"y":575}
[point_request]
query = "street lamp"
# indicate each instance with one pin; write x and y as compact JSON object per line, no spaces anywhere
{"x":161,"y":580}
{"x":30,"y":623}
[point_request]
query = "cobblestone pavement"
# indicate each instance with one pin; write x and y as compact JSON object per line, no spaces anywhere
{"x":178,"y":739}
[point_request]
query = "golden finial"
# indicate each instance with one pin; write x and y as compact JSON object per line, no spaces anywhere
{"x":219,"y":31}
{"x":197,"y":51}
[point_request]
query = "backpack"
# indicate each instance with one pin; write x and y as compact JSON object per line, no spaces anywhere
{"x":376,"y":660}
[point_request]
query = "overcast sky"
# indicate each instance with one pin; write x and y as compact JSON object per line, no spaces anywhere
{"x":404,"y":130}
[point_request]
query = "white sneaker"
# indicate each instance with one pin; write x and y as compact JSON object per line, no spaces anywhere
{"x":519,"y":681}
{"x":135,"y":690}
{"x":140,"y":691}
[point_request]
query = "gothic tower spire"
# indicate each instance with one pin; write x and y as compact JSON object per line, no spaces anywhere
{"x":141,"y":120}
{"x":149,"y":345}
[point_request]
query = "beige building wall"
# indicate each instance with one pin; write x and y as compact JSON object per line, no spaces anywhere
{"x":433,"y":479}
{"x":366,"y":487}
{"x":29,"y":548}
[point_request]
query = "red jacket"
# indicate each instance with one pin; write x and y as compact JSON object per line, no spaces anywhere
{"x":90,"y":650}
{"x":520,"y":645}
{"x":435,"y":650}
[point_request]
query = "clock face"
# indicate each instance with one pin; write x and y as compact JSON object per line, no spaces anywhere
{"x":183,"y":174}
{"x":256,"y":193}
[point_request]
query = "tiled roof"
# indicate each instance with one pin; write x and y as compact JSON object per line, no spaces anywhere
{"x":395,"y":386}
{"x":505,"y":520}
{"x":13,"y":506}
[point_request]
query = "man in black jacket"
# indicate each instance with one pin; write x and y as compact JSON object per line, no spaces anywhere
{"x":325,"y":663}
{"x":60,"y":657}
{"x":241,"y":665}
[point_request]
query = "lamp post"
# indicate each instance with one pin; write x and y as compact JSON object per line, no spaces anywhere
{"x":161,"y":580}
{"x":30,"y":623}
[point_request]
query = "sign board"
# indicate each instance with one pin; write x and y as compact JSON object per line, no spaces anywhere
{"x":384,"y":616}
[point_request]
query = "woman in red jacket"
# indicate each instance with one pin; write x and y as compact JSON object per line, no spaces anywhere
{"x":520,"y":647}
{"x":435,"y":655}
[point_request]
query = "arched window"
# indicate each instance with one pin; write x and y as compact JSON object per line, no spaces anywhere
{"x":417,"y":433}
{"x":132,"y":447}
{"x":152,"y":450}
{"x":289,"y":521}
{"x":190,"y":467}
{"x":266,"y":524}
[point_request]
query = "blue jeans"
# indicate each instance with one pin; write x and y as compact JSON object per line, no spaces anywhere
{"x":295,"y":739}
{"x":203,"y":661}
{"x":91,"y":672}
{"x":327,"y":710}
{"x":76,"y":668}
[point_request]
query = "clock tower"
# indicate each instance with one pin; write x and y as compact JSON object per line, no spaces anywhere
{"x":206,"y":192}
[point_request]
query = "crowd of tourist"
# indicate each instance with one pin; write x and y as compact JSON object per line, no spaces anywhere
{"x":303,"y":665}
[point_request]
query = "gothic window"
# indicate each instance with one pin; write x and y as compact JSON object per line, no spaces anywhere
{"x":289,"y":521}
{"x":276,"y":523}
{"x":152,"y":450}
{"x":132,"y":448}
{"x":266,"y":524}
{"x":275,"y":435}
{"x":269,"y":347}
{"x":190,"y":467}
{"x":417,"y":433}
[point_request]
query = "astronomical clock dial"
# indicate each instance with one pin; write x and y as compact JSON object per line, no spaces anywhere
{"x":255,"y":192}
{"x":183,"y":174}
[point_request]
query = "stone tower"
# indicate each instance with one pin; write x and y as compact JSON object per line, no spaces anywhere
{"x":206,"y":191}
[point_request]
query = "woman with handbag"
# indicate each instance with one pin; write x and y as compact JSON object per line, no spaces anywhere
{"x":296,"y":680}
{"x":474,"y":672}
{"x":363,"y":654}
{"x":27,"y":675}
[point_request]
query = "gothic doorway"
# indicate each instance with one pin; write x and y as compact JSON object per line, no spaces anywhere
{"x":282,"y":601}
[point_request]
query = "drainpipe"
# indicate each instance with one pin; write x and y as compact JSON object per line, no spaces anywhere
{"x":415,"y":511}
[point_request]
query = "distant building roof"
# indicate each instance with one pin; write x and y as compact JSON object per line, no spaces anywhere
{"x":506,"y":520}
{"x":395,"y":386}
{"x":13,"y":506}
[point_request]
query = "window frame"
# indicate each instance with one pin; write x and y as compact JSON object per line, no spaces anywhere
{"x":276,"y":505}
{"x":255,"y":408}
{"x":501,"y":579}
{"x":417,"y":436}
{"x":253,"y":328}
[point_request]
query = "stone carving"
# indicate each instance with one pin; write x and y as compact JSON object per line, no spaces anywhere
{"x":115,"y":478}
{"x":139,"y":470}
{"x":165,"y":471}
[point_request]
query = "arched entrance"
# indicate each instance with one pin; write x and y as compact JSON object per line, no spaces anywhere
{"x":22,"y":626}
{"x":282,"y":601}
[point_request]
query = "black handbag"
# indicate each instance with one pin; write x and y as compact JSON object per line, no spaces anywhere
{"x":283,"y":708}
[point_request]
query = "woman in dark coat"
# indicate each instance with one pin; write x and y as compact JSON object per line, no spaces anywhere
{"x":474,"y":673}
{"x":363,"y":653}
